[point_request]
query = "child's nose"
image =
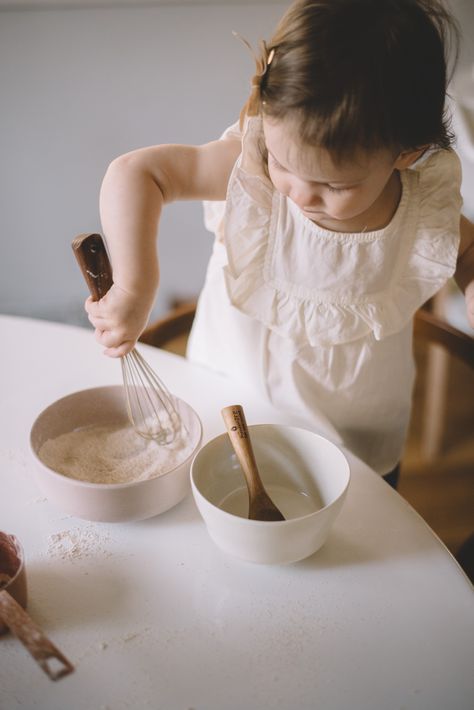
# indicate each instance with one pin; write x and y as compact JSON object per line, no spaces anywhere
{"x":305,"y":195}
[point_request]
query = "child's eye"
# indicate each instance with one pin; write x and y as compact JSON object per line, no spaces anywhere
{"x":338,"y":189}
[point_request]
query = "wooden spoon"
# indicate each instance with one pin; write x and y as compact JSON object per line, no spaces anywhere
{"x":52,"y":661}
{"x":261,"y":507}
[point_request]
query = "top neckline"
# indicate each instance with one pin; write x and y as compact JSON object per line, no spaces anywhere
{"x":406,"y":178}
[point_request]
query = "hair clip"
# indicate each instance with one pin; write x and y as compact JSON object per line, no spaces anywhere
{"x":263,"y":61}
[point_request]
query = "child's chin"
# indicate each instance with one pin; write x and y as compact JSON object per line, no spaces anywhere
{"x":314,"y":213}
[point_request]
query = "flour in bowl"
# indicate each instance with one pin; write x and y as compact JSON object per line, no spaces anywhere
{"x":112,"y":454}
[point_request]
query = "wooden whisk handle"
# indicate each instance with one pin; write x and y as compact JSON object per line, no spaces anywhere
{"x":93,"y":260}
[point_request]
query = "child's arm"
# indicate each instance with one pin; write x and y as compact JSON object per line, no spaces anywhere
{"x":134,"y":189}
{"x":464,"y":275}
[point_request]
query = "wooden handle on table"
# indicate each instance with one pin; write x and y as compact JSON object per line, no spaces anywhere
{"x":93,"y":260}
{"x":239,"y":435}
{"x":34,"y":640}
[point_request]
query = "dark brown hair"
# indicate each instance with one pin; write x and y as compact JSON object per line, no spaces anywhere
{"x":360,"y":73}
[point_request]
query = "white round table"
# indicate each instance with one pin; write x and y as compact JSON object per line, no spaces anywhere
{"x":153,"y":615}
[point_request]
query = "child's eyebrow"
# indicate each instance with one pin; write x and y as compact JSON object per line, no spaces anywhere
{"x":353,"y":181}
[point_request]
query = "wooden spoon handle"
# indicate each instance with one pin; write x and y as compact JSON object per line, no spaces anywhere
{"x":239,"y":435}
{"x":93,"y":259}
{"x":34,"y":640}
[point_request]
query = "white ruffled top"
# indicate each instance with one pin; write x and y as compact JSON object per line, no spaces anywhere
{"x":321,"y":287}
{"x":319,"y":322}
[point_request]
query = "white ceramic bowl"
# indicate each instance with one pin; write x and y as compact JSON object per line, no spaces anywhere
{"x":107,"y":502}
{"x":306,"y":476}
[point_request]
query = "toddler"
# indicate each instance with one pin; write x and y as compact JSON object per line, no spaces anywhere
{"x":335,"y":203}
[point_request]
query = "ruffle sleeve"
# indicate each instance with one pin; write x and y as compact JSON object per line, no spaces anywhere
{"x":214,"y":210}
{"x":431,"y":257}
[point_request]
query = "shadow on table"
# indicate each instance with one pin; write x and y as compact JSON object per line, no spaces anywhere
{"x":181,"y":514}
{"x":71,"y":596}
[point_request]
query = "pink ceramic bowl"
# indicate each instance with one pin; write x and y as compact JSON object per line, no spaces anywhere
{"x":108,"y":502}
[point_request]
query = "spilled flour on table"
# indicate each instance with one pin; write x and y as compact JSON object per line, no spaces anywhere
{"x":112,"y":454}
{"x":77,"y":543}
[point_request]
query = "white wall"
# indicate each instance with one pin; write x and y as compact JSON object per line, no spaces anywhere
{"x":80,"y":86}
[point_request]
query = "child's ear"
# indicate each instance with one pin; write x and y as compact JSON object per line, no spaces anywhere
{"x":408,"y":157}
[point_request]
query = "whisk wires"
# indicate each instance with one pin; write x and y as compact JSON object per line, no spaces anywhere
{"x":151,"y":407}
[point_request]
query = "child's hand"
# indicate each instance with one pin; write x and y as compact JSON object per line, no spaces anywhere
{"x":469,"y":296}
{"x":118,"y":318}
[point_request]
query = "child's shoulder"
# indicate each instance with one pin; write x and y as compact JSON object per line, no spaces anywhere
{"x":437,"y":176}
{"x":232,"y":132}
{"x":438,"y":163}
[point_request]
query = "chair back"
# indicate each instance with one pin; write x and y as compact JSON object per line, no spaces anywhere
{"x":433,"y":329}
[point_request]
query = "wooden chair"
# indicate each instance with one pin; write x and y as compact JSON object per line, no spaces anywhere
{"x":427,"y":327}
{"x":171,"y":332}
{"x":444,"y":342}
{"x":433,"y":329}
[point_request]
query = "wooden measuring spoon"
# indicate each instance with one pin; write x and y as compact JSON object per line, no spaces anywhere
{"x":50,"y":660}
{"x":261,"y":507}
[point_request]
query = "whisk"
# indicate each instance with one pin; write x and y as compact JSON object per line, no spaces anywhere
{"x":152,"y":409}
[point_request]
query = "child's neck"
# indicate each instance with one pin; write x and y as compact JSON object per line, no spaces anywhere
{"x":376,"y":217}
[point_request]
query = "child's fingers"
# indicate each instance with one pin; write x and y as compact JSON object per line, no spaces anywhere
{"x":115,"y":328}
{"x":116,"y":343}
{"x":108,"y":338}
{"x":92,"y":307}
{"x":99,"y":322}
{"x":120,"y":351}
{"x":96,"y":308}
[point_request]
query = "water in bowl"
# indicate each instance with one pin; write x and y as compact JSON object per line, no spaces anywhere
{"x":291,"y":502}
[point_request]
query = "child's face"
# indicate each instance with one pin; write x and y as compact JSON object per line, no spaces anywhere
{"x":341,"y":197}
